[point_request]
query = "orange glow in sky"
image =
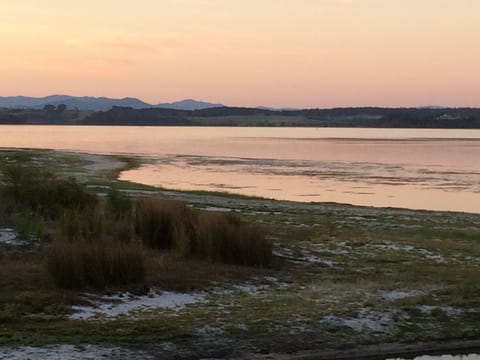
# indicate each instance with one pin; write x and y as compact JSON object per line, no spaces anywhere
{"x":299,"y":53}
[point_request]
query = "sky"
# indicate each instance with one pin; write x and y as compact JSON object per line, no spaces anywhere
{"x":283,"y":53}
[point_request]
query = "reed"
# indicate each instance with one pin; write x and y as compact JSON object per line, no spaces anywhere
{"x":95,"y":264}
{"x":99,"y":243}
{"x":163,"y":224}
{"x":220,"y":237}
{"x":226,"y":238}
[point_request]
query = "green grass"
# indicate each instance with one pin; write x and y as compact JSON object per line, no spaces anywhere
{"x":255,"y":120}
{"x":224,"y":194}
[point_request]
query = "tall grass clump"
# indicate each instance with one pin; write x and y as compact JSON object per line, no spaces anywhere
{"x":163,"y":224}
{"x":226,"y":238}
{"x":95,"y":250}
{"x":99,"y":243}
{"x":220,"y":237}
{"x":89,"y":224}
{"x":119,"y":205}
{"x":95,"y":264}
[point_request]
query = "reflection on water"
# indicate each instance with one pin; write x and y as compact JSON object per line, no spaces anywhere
{"x":420,"y":169}
{"x":447,"y":357}
{"x":380,"y":184}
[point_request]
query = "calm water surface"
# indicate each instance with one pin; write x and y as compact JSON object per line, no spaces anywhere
{"x":410,"y":168}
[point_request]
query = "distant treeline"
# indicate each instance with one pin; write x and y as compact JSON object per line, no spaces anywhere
{"x":461,"y":118}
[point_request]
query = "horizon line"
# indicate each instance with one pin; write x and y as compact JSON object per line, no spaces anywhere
{"x":266,"y":107}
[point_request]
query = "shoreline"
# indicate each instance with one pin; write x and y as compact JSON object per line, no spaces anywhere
{"x":356,"y":217}
{"x":119,"y":163}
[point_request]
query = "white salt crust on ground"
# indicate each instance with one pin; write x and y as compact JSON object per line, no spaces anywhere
{"x":8,"y":236}
{"x":71,"y":352}
{"x":127,"y":304}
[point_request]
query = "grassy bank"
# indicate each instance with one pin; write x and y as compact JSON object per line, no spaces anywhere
{"x":340,"y":276}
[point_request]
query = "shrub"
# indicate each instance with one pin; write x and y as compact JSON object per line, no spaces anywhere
{"x":41,"y":192}
{"x":20,"y":184}
{"x":60,"y":194}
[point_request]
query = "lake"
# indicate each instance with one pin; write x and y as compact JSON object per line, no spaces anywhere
{"x":431,"y":169}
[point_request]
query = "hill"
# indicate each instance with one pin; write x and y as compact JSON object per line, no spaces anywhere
{"x":95,"y":103}
{"x":188,"y":104}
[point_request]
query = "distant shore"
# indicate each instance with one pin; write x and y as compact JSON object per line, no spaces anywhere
{"x":367,"y":117}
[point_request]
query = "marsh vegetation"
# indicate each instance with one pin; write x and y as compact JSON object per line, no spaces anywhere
{"x":93,"y":242}
{"x":337,"y":276}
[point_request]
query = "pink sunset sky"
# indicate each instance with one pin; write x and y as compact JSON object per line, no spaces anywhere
{"x":285,"y":53}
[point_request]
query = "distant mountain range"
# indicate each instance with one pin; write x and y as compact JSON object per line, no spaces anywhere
{"x":97,"y":103}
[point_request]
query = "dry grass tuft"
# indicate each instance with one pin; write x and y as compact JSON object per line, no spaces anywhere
{"x":220,"y":237}
{"x":226,"y":238}
{"x":95,"y":264}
